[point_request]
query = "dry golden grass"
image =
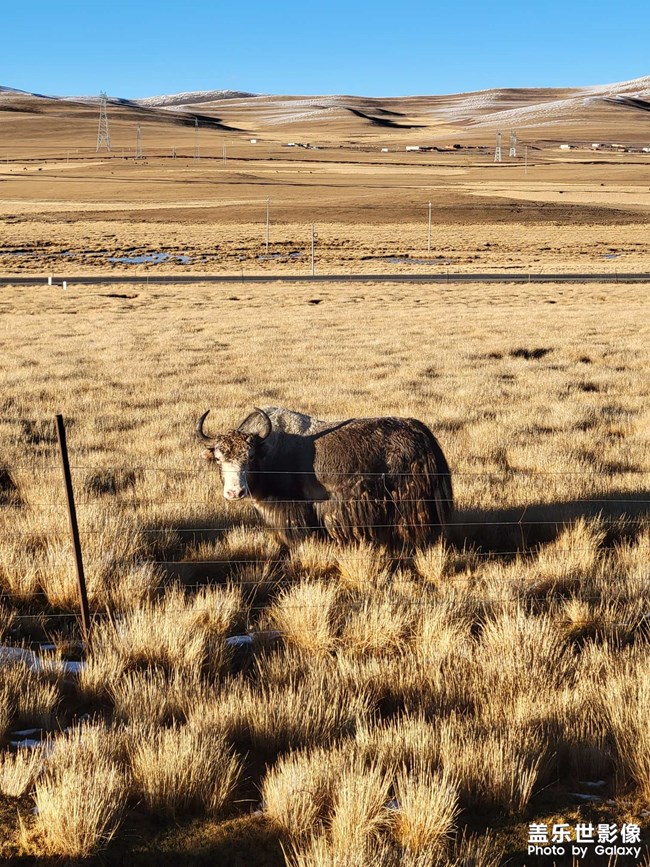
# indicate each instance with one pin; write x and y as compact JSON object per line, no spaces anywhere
{"x":378,"y":625}
{"x":432,"y":563}
{"x":156,"y":697}
{"x":175,"y":632}
{"x":182,"y":768}
{"x":297,"y":792}
{"x":403,"y":742}
{"x":275,"y":717}
{"x":307,"y":615}
{"x":80,"y":797}
{"x":312,"y":558}
{"x":358,"y":809}
{"x":625,"y":697}
{"x":27,"y":697}
{"x":18,"y":771}
{"x":427,"y":807}
{"x":495,"y":658}
{"x":363,"y":567}
{"x":495,"y":768}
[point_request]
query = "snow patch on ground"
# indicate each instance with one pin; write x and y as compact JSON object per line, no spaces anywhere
{"x":17,"y":655}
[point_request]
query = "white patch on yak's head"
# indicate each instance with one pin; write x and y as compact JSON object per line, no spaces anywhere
{"x":234,"y":452}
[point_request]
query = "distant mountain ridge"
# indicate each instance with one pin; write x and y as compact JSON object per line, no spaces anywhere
{"x":638,"y":87}
{"x":594,"y":110}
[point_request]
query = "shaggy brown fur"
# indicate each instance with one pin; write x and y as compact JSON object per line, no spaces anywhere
{"x":383,"y":480}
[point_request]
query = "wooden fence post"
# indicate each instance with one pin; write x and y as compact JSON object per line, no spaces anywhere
{"x":74,"y":529}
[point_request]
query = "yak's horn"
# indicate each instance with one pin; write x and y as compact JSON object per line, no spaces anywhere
{"x":198,"y":430}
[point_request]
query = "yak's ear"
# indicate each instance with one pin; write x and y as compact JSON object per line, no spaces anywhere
{"x":257,"y":423}
{"x":208,"y":454}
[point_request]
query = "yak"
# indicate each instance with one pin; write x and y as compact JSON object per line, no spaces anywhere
{"x":381,"y":480}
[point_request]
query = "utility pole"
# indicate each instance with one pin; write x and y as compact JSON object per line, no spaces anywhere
{"x":526,"y":160}
{"x":197,"y":148}
{"x":513,"y":144}
{"x":268,"y":209}
{"x":224,"y":154}
{"x":313,"y":239}
{"x":429,"y":233}
{"x":103,"y":133}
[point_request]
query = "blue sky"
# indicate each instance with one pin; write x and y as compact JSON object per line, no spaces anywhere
{"x":142,"y":48}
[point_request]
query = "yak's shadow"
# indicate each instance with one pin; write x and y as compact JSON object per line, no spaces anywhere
{"x":520,"y":528}
{"x":504,"y":531}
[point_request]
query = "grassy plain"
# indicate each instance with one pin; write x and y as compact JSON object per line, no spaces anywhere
{"x":415,"y":709}
{"x":479,"y":683}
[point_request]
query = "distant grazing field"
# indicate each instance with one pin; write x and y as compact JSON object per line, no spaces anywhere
{"x":67,"y":209}
{"x":415,"y":708}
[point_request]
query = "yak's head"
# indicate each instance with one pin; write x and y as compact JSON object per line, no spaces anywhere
{"x":236,"y":451}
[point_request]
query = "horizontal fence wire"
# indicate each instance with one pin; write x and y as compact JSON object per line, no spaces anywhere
{"x":121,"y":500}
{"x":324,"y":606}
{"x":193,"y":472}
{"x":116,"y":500}
{"x":558,"y":522}
{"x":532,"y":585}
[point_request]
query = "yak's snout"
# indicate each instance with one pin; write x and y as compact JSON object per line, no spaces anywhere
{"x":235,"y":486}
{"x":234,"y":493}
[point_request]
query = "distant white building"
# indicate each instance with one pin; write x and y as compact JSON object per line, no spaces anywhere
{"x":253,"y":141}
{"x":412,"y":147}
{"x":384,"y":150}
{"x":565,"y":147}
{"x":646,"y":150}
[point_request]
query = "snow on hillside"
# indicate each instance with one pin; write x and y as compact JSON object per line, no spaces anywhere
{"x":493,"y":107}
{"x":496,"y":107}
{"x":635,"y":87}
{"x":191,"y":97}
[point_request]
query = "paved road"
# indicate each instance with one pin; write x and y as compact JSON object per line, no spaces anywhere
{"x":495,"y":277}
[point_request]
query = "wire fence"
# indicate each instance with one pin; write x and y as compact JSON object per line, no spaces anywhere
{"x":627,"y":508}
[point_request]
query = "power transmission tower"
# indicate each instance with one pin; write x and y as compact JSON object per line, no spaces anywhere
{"x":513,"y":143}
{"x":497,"y":150}
{"x":197,"y":148}
{"x":138,"y":143}
{"x":103,"y":133}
